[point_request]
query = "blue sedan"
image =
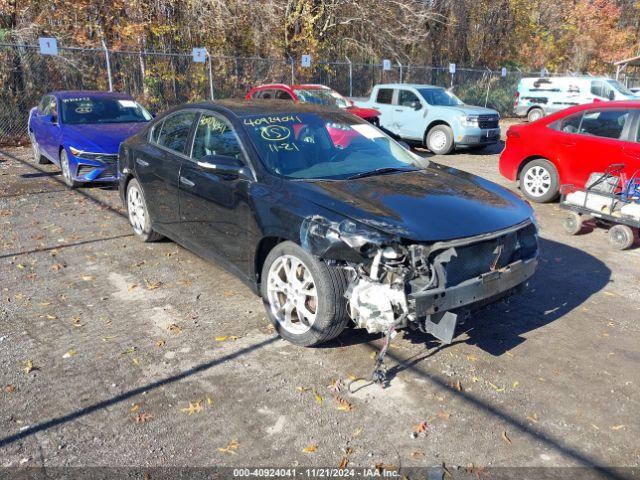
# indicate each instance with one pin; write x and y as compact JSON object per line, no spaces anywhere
{"x":81,"y":131}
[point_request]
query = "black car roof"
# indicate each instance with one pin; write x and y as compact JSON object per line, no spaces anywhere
{"x":243,"y":108}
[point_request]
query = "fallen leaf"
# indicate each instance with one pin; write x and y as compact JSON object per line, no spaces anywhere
{"x":343,"y":463}
{"x":505,"y":437}
{"x":302,"y":389}
{"x":57,"y":267}
{"x":9,"y":389}
{"x":231,"y":448}
{"x":195,"y":407}
{"x":136,"y":361}
{"x":88,"y":278}
{"x":417,"y":455}
{"x":495,"y":387}
{"x":20,"y":266}
{"x":443,"y":415}
{"x":348,"y":450}
{"x":160,"y":343}
{"x":344,"y":405}
{"x":69,"y":354}
{"x":132,"y":287}
{"x":28,"y":366}
{"x":135,"y":407}
{"x":335,"y":386}
{"x":533,"y":418}
{"x":228,"y":293}
{"x":142,"y":417}
{"x":356,"y":433}
{"x":222,"y":338}
{"x":209,"y":400}
{"x":173,"y":328}
{"x":318,"y":397}
{"x":617,"y":427}
{"x":51,"y":317}
{"x":472,"y":358}
{"x":515,"y":384}
{"x":419,"y":430}
{"x":152,"y":285}
{"x":310,"y":448}
{"x":457,"y":385}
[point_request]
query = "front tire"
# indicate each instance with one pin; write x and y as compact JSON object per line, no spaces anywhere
{"x":303,"y":296}
{"x":139,"y":214}
{"x":539,"y":181}
{"x":66,"y":170}
{"x":440,"y":140}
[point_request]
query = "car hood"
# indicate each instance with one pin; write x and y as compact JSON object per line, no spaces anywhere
{"x":103,"y":137}
{"x":474,"y":110}
{"x":433,"y":204}
{"x":363,"y":112}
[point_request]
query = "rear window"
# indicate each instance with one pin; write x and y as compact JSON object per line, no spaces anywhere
{"x":385,"y":95}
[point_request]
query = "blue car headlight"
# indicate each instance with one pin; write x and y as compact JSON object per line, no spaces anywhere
{"x":100,"y":156}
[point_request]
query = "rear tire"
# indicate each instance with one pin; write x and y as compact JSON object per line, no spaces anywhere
{"x":539,"y":181}
{"x":621,"y":237}
{"x":440,"y":140}
{"x":303,"y":296}
{"x":138,"y":213}
{"x":535,"y":114}
{"x":37,"y":154}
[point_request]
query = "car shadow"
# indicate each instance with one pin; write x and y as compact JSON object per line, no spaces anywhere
{"x":566,"y":277}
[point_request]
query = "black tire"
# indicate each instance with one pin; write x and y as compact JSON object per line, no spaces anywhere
{"x":621,"y":237}
{"x":439,"y":140}
{"x":66,"y":170}
{"x":572,"y":223}
{"x":530,"y":190}
{"x":141,"y":225}
{"x":331,"y":315}
{"x":535,"y":114}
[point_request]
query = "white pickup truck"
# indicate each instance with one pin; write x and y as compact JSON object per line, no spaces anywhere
{"x":433,"y":117}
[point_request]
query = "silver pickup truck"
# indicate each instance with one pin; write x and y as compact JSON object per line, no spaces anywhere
{"x":433,"y":117}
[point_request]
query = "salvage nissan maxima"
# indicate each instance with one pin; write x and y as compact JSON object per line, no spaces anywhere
{"x":326,"y":218}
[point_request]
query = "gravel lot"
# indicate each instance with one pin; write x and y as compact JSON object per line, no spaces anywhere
{"x":115,"y":353}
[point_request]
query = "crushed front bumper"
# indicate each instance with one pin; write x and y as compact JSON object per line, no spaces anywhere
{"x":473,"y":291}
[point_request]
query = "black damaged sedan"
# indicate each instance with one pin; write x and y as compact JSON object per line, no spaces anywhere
{"x":326,"y":217}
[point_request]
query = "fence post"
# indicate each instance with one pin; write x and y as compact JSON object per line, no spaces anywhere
{"x":400,"y":65}
{"x":293,"y":69}
{"x":350,"y":77}
{"x":106,"y":54}
{"x":210,"y":74}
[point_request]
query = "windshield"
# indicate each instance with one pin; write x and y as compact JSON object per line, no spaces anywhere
{"x":619,"y":87}
{"x":440,"y":97}
{"x":85,"y":110}
{"x":323,"y":96}
{"x":325,"y":146}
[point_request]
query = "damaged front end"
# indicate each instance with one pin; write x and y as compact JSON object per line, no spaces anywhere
{"x":395,"y":283}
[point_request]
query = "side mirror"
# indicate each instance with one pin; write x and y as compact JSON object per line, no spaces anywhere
{"x":48,"y":118}
{"x":415,"y":105}
{"x":612,"y":95}
{"x":222,"y":164}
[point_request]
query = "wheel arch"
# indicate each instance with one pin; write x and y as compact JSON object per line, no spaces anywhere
{"x":434,"y":123}
{"x":265,"y":245}
{"x":531,"y":158}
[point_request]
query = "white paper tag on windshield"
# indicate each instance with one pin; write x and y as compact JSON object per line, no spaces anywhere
{"x":127,"y":103}
{"x":367,"y":131}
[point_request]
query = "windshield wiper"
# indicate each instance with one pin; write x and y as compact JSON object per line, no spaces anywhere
{"x":379,"y":171}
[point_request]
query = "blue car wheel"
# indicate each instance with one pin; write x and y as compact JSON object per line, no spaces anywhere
{"x":66,"y":170}
{"x":37,"y":154}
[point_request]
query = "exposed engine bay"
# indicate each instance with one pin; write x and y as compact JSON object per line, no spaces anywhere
{"x":395,"y":283}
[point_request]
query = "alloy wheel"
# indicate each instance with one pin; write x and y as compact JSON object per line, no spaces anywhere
{"x":64,"y":165}
{"x":292,"y":294}
{"x":537,"y":181}
{"x":438,"y":140}
{"x":135,"y":206}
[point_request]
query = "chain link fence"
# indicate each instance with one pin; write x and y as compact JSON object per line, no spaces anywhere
{"x":160,"y":80}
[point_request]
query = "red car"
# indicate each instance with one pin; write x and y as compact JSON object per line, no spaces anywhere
{"x":311,"y":93}
{"x":566,"y":147}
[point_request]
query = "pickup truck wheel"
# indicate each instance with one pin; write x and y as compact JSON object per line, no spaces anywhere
{"x":440,"y":140}
{"x":539,"y":181}
{"x":535,"y":114}
{"x":303,"y":296}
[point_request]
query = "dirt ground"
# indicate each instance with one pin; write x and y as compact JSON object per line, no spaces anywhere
{"x":119,"y":353}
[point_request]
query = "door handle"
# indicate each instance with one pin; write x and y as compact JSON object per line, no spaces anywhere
{"x":399,"y":110}
{"x":141,"y":162}
{"x":187,"y":182}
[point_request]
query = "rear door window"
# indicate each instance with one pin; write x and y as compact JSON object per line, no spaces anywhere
{"x":608,"y":123}
{"x":175,"y":130}
{"x":385,"y":95}
{"x":283,"y":95}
